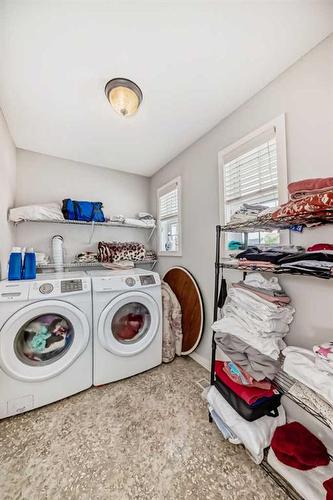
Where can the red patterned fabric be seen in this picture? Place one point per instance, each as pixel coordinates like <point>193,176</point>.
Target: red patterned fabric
<point>249,394</point>
<point>307,187</point>
<point>328,485</point>
<point>318,205</point>
<point>294,445</point>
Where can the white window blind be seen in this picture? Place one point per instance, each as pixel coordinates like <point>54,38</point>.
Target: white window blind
<point>169,204</point>
<point>169,218</point>
<point>252,175</point>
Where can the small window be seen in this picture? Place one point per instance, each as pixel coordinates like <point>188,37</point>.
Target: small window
<point>169,218</point>
<point>253,172</point>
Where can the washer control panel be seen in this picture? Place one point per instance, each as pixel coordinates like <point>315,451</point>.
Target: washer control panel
<point>52,287</point>
<point>130,281</point>
<point>71,286</point>
<point>46,288</point>
<point>147,279</point>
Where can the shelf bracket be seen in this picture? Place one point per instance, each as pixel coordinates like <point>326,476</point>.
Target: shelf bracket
<point>92,231</point>
<point>151,234</point>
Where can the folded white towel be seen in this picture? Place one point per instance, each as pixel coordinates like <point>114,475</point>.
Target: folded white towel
<point>309,484</point>
<point>301,364</point>
<point>271,346</point>
<point>44,211</point>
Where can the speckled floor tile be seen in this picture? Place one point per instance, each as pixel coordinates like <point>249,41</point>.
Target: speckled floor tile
<point>145,438</point>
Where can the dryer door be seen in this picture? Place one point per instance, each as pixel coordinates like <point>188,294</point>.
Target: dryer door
<point>129,323</point>
<point>42,339</point>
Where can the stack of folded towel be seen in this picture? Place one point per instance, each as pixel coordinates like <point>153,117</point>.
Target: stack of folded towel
<point>255,436</point>
<point>247,212</point>
<point>314,368</point>
<point>257,311</point>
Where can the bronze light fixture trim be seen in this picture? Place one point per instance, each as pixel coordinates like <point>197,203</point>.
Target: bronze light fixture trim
<point>124,96</point>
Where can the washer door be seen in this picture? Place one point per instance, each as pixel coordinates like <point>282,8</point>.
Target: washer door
<point>42,339</point>
<point>129,323</point>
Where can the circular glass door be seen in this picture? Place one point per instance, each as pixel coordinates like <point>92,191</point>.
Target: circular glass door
<point>129,323</point>
<point>42,339</point>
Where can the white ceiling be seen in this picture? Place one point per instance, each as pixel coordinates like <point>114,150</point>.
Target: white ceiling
<point>195,61</point>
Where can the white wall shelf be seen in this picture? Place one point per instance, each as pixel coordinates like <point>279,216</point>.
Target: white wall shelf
<point>92,225</point>
<point>91,265</point>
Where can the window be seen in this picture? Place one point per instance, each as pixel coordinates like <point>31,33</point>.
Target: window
<point>253,171</point>
<point>169,220</point>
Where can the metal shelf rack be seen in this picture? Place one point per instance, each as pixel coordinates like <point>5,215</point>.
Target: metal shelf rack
<point>282,381</point>
<point>91,265</point>
<point>92,225</point>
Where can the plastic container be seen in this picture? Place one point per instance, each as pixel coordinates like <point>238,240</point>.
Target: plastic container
<point>29,267</point>
<point>15,264</point>
<point>58,252</point>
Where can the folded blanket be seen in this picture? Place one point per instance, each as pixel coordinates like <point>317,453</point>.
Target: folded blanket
<point>294,445</point>
<point>250,359</point>
<point>44,211</point>
<point>305,187</point>
<point>249,394</point>
<point>270,346</point>
<point>114,251</point>
<point>301,364</point>
<point>140,222</point>
<point>240,376</point>
<point>255,436</point>
<point>314,205</point>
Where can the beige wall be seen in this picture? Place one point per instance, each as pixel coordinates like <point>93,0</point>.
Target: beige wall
<point>7,192</point>
<point>42,178</point>
<point>305,94</point>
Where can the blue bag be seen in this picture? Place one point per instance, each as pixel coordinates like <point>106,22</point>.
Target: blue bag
<point>83,210</point>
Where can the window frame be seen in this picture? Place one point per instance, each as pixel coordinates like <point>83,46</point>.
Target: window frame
<point>164,189</point>
<point>279,124</point>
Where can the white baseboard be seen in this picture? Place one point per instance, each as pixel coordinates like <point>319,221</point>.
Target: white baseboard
<point>201,360</point>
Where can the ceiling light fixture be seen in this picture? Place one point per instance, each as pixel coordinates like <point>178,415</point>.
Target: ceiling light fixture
<point>124,96</point>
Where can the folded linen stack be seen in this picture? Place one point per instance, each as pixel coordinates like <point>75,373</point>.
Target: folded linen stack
<point>311,202</point>
<point>247,212</point>
<point>311,369</point>
<point>255,436</point>
<point>316,261</point>
<point>302,459</point>
<point>258,315</point>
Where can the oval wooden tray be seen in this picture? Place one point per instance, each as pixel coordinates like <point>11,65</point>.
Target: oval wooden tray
<point>188,294</point>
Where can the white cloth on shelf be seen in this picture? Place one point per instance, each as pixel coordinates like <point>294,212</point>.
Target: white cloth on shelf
<point>309,484</point>
<point>303,393</point>
<point>120,219</point>
<point>223,428</point>
<point>264,309</point>
<point>145,216</point>
<point>44,211</point>
<point>271,346</point>
<point>253,322</point>
<point>300,363</point>
<point>255,436</point>
<point>259,281</point>
<point>324,365</point>
<point>150,223</point>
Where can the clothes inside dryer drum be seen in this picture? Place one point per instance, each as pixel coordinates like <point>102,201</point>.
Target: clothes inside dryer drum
<point>131,322</point>
<point>44,339</point>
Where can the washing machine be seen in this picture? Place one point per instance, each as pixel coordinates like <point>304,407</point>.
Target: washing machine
<point>45,340</point>
<point>127,323</point>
